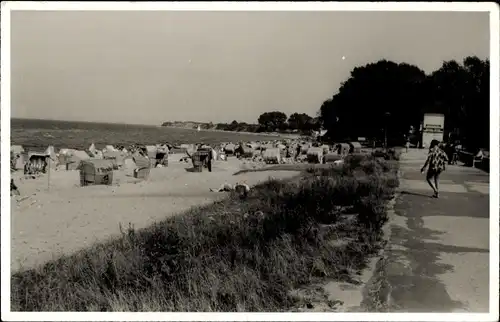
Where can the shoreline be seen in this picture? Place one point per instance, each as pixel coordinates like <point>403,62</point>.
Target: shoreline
<point>39,139</point>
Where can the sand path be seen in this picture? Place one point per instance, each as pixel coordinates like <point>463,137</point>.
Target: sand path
<point>67,218</point>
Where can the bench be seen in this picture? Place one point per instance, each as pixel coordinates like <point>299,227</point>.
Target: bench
<point>471,160</point>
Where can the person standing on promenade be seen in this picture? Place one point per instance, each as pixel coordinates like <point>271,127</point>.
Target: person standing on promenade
<point>436,161</point>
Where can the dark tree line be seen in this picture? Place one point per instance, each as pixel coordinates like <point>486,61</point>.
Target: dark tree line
<point>275,121</point>
<point>387,94</point>
<point>236,126</point>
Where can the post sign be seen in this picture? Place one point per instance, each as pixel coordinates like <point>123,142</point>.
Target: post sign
<point>433,128</point>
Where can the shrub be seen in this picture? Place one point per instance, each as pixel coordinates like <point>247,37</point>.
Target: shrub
<point>366,182</point>
<point>390,154</point>
<point>394,153</point>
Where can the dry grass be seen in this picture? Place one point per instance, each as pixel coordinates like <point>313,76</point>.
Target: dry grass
<point>233,255</point>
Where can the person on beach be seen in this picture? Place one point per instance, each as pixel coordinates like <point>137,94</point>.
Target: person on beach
<point>224,187</point>
<point>297,151</point>
<point>14,191</point>
<point>456,152</point>
<point>436,161</point>
<point>242,189</point>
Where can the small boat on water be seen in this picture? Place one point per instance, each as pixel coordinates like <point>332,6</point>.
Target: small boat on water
<point>199,128</point>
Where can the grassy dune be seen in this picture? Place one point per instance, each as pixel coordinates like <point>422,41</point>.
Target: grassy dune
<point>233,255</point>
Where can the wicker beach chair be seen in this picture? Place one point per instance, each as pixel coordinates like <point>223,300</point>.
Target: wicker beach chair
<point>143,167</point>
<point>96,172</point>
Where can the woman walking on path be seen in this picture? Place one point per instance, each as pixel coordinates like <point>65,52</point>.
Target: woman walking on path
<point>436,161</point>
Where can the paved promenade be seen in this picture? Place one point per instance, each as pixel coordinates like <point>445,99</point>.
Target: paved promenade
<point>439,248</point>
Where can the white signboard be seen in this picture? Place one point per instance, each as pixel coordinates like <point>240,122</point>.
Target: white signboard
<point>433,123</point>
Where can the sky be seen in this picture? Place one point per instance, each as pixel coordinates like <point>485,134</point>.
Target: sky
<point>154,66</point>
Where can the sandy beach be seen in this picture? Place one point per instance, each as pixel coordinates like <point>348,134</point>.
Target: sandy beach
<point>49,222</point>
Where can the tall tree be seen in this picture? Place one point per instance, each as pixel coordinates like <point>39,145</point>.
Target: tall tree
<point>375,96</point>
<point>300,121</point>
<point>272,121</point>
<point>233,126</point>
<point>462,92</point>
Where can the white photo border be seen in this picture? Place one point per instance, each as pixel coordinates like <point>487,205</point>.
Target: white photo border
<point>491,7</point>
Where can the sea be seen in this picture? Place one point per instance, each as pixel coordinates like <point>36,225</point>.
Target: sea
<point>37,135</point>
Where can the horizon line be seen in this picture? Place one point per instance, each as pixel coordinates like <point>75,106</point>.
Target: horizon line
<point>117,123</point>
